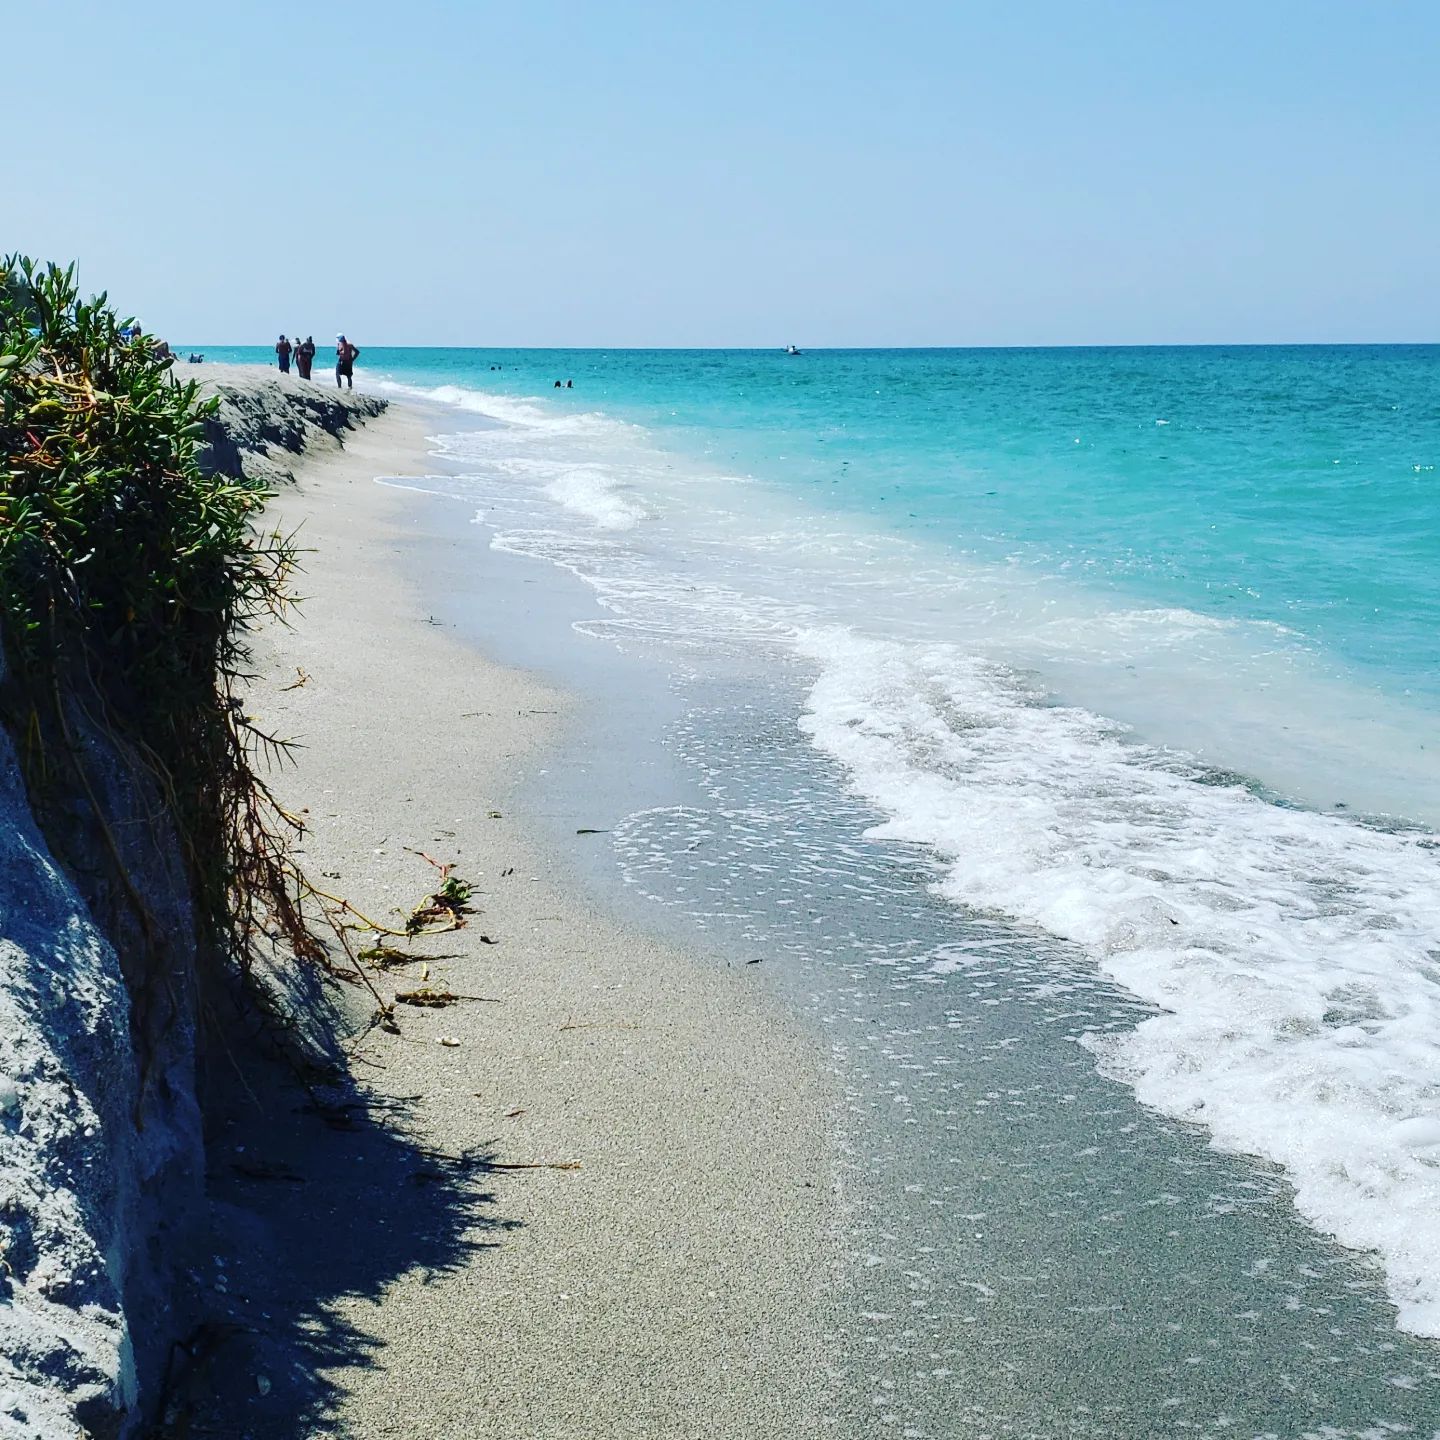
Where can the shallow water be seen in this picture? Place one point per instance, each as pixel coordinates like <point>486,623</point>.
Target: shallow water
<point>1034,1253</point>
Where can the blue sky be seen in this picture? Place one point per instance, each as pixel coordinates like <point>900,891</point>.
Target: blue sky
<point>457,172</point>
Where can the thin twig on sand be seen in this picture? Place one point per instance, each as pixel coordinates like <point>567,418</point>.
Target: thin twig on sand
<point>532,1165</point>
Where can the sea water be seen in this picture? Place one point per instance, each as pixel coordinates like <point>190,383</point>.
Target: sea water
<point>1064,718</point>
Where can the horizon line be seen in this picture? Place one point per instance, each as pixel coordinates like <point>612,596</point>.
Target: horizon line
<point>858,349</point>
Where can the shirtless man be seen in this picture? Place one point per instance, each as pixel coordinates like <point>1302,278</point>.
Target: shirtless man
<point>346,355</point>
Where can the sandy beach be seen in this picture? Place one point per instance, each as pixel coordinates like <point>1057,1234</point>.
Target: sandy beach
<point>677,1280</point>
<point>727,1122</point>
<point>841,840</point>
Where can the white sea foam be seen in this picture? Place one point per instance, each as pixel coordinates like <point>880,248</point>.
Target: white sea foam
<point>519,417</point>
<point>599,495</point>
<point>575,458</point>
<point>1297,956</point>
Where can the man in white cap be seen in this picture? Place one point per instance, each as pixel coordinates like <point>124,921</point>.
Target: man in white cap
<point>346,355</point>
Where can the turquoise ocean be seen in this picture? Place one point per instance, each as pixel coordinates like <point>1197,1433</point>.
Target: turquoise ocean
<point>1103,684</point>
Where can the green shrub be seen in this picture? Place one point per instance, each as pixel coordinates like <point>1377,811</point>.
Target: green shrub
<point>129,580</point>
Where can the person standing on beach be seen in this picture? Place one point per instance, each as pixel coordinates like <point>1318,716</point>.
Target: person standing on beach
<point>305,356</point>
<point>346,355</point>
<point>282,349</point>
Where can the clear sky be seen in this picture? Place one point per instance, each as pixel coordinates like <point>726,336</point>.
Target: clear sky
<point>735,173</point>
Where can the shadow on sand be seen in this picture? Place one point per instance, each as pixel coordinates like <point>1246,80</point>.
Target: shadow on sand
<point>322,1197</point>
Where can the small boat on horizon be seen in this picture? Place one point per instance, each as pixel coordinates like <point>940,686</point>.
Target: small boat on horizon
<point>791,350</point>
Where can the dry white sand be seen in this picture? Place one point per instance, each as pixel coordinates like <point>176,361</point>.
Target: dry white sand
<point>677,1283</point>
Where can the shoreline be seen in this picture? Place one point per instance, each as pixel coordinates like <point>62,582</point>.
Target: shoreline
<point>984,1060</point>
<point>921,998</point>
<point>675,1283</point>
